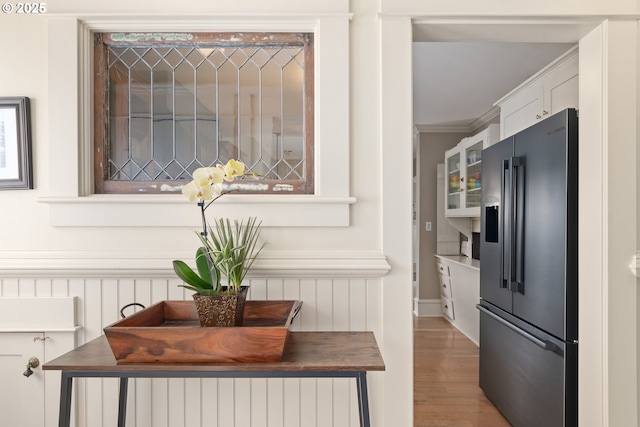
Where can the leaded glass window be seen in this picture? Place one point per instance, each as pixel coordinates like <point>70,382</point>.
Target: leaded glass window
<point>168,103</point>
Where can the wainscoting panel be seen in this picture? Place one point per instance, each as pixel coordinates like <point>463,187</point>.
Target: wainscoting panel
<point>350,304</point>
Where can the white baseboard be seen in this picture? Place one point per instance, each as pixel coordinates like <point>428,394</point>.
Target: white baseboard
<point>427,307</point>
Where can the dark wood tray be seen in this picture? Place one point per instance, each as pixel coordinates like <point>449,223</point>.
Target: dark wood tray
<point>169,332</point>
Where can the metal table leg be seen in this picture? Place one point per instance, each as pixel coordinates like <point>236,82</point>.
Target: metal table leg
<point>122,402</point>
<point>363,399</point>
<point>66,384</point>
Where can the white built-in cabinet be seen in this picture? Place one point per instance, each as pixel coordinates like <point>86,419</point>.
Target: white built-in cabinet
<point>446,297</point>
<point>552,89</point>
<point>33,331</point>
<point>460,292</point>
<point>463,175</point>
<point>22,402</point>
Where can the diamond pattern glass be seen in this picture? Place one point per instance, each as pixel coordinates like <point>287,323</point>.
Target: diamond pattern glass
<point>173,109</point>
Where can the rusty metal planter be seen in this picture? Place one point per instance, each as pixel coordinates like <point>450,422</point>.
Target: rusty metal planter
<point>221,310</point>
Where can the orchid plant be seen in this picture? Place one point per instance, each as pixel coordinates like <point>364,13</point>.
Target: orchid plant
<point>225,249</point>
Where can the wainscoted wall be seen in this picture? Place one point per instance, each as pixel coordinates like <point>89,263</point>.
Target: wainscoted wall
<point>344,302</point>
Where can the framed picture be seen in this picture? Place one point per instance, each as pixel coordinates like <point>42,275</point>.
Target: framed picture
<point>15,144</point>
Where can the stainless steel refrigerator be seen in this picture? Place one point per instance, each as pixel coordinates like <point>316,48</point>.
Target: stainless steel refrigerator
<point>529,275</point>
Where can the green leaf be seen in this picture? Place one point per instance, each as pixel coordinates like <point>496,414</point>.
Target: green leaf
<point>189,276</point>
<point>234,247</point>
<point>191,288</point>
<point>203,265</point>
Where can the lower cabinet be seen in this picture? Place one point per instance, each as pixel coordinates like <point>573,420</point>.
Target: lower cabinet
<point>446,298</point>
<point>33,330</point>
<point>460,292</point>
<point>23,397</point>
<point>447,307</point>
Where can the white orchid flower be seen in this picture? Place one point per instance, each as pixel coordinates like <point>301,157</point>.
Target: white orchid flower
<point>232,169</point>
<point>195,192</point>
<point>207,181</point>
<point>210,175</point>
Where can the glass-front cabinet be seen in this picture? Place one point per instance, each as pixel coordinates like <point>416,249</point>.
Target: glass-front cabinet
<point>463,164</point>
<point>453,193</point>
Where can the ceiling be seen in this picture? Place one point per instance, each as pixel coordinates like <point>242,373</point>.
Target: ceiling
<point>462,66</point>
<point>456,83</point>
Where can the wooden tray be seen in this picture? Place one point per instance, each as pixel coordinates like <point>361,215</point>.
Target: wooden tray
<point>169,332</point>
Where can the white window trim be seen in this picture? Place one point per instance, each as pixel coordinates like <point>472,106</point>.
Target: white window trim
<point>71,135</point>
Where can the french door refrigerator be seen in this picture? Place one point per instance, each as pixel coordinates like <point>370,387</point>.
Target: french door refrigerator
<point>529,275</point>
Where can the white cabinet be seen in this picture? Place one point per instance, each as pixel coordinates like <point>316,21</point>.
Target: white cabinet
<point>552,89</point>
<point>33,328</point>
<point>446,297</point>
<point>463,177</point>
<point>460,292</point>
<point>22,402</point>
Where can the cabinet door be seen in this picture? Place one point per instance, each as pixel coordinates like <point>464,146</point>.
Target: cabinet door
<point>471,182</point>
<point>453,174</point>
<point>561,88</point>
<point>463,173</point>
<point>547,94</point>
<point>521,111</point>
<point>21,397</point>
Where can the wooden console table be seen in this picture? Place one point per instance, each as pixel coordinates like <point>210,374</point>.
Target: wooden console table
<point>306,355</point>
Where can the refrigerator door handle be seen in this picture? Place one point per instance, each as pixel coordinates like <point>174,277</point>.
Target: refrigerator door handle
<point>503,277</point>
<point>516,283</point>
<point>546,345</point>
<point>512,226</point>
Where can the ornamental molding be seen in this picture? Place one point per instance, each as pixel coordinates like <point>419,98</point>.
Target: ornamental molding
<point>142,264</point>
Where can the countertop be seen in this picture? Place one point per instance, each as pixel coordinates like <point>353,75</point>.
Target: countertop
<point>462,260</point>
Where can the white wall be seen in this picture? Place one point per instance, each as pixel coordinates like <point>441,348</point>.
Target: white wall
<point>225,402</point>
<point>329,267</point>
<point>22,219</point>
<point>430,153</point>
<point>620,137</point>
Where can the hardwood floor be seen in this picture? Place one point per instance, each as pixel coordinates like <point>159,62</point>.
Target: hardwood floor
<point>446,392</point>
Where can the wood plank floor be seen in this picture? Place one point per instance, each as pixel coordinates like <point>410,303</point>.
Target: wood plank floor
<point>446,392</point>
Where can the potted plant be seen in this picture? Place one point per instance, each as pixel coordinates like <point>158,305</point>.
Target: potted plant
<point>225,249</point>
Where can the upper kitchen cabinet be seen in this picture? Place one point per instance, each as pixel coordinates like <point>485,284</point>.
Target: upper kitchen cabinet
<point>463,185</point>
<point>552,89</point>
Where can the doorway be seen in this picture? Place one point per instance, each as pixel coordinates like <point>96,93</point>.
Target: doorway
<point>455,86</point>
<point>608,52</point>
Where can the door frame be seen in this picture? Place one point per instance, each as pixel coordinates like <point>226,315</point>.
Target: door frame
<point>608,298</point>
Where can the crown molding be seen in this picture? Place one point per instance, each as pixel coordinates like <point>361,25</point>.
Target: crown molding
<point>486,118</point>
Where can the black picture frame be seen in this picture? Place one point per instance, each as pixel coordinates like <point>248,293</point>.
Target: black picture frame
<point>15,144</point>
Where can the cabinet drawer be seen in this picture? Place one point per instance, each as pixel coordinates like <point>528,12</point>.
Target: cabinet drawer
<point>445,286</point>
<point>443,269</point>
<point>447,307</point>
